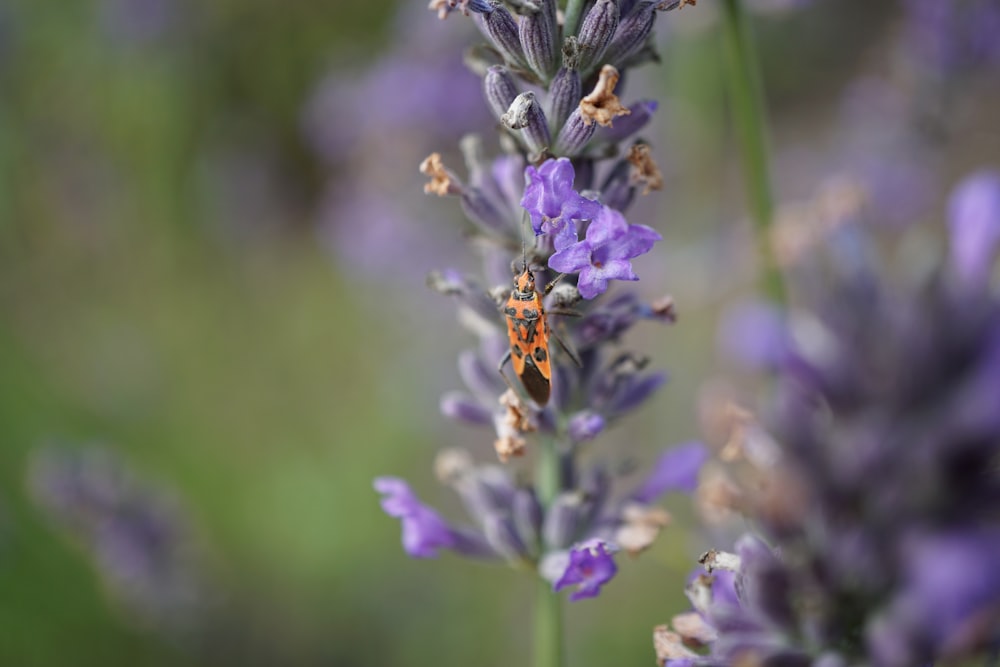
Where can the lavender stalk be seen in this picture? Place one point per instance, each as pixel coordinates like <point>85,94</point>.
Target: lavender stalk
<point>552,203</point>
<point>747,98</point>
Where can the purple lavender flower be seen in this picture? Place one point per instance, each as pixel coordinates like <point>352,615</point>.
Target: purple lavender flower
<point>676,470</point>
<point>952,37</point>
<point>136,534</point>
<point>605,252</point>
<point>512,520</point>
<point>974,221</point>
<point>590,566</point>
<point>552,203</point>
<point>424,531</point>
<point>877,501</point>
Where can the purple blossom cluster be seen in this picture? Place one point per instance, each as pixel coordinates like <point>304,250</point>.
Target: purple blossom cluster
<point>894,122</point>
<point>570,541</point>
<point>553,199</point>
<point>952,38</point>
<point>877,535</point>
<point>139,540</point>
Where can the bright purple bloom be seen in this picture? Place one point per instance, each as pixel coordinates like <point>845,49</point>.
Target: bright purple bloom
<point>590,567</point>
<point>424,531</point>
<point>974,222</point>
<point>676,470</point>
<point>605,252</point>
<point>553,204</point>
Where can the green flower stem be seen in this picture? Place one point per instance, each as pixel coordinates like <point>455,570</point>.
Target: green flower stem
<point>548,605</point>
<point>571,22</point>
<point>548,627</point>
<point>747,99</point>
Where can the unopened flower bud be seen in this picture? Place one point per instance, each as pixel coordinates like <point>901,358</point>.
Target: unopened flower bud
<point>501,28</point>
<point>564,96</point>
<point>575,135</point>
<point>538,40</point>
<point>625,127</point>
<point>525,114</point>
<point>462,408</point>
<point>585,425</point>
<point>528,515</point>
<point>633,31</point>
<point>596,33</point>
<point>502,536</point>
<point>499,89</point>
<point>562,521</point>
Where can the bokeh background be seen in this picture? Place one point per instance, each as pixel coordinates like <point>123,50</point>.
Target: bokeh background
<point>213,246</point>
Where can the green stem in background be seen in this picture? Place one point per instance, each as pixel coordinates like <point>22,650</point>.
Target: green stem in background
<point>571,22</point>
<point>747,99</point>
<point>548,605</point>
<point>548,627</point>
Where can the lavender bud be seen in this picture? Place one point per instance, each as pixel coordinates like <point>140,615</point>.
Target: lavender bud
<point>636,392</point>
<point>633,31</point>
<point>477,376</point>
<point>478,207</point>
<point>595,483</point>
<point>598,29</point>
<point>626,126</point>
<point>501,28</point>
<point>562,521</point>
<point>458,406</point>
<point>618,190</point>
<point>575,135</point>
<point>500,89</point>
<point>526,114</point>
<point>564,96</point>
<point>585,425</point>
<point>538,39</point>
<point>528,516</point>
<point>502,536</point>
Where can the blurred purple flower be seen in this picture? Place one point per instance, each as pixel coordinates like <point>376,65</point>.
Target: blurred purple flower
<point>974,222</point>
<point>952,37</point>
<point>585,425</point>
<point>676,470</point>
<point>605,252</point>
<point>590,566</point>
<point>877,504</point>
<point>755,334</point>
<point>424,531</point>
<point>138,538</point>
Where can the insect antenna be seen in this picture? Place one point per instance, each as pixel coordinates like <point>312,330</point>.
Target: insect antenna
<point>525,220</point>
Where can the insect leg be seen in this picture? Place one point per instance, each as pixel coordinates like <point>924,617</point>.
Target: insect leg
<point>503,362</point>
<point>552,283</point>
<point>566,312</point>
<point>567,348</point>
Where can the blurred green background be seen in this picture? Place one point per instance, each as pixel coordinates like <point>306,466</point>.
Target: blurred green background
<point>164,293</point>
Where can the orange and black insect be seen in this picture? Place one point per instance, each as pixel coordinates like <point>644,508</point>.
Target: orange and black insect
<point>529,333</point>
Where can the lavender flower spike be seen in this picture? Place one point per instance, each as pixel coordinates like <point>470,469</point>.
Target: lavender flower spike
<point>424,531</point>
<point>974,222</point>
<point>605,253</point>
<point>553,204</point>
<point>591,565</point>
